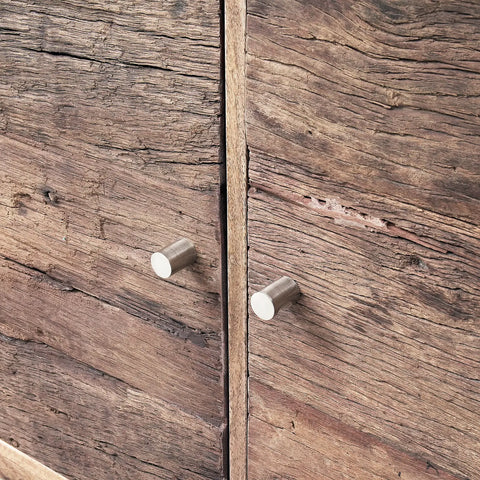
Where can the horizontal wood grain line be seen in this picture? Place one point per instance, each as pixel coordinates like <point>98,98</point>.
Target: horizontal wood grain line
<point>348,216</point>
<point>34,343</point>
<point>60,53</point>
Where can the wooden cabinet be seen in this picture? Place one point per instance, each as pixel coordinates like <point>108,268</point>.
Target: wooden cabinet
<point>351,136</point>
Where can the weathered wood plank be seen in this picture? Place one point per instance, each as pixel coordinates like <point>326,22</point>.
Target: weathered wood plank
<point>236,149</point>
<point>198,20</point>
<point>94,224</point>
<point>110,121</point>
<point>15,465</point>
<point>71,103</point>
<point>36,307</point>
<point>362,125</point>
<point>150,34</point>
<point>385,337</point>
<point>380,111</point>
<point>128,136</point>
<point>98,77</point>
<point>311,445</point>
<point>86,424</point>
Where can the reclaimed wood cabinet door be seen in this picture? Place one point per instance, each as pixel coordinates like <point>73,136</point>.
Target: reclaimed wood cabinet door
<point>110,141</point>
<point>364,138</point>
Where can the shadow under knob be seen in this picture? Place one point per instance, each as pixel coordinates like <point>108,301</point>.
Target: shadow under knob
<point>173,258</point>
<point>271,299</point>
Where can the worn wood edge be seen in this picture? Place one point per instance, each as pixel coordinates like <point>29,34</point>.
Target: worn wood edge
<point>236,161</point>
<point>15,464</point>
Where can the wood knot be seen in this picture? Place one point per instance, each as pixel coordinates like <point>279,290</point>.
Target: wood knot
<point>393,98</point>
<point>13,442</point>
<point>49,196</point>
<point>414,262</point>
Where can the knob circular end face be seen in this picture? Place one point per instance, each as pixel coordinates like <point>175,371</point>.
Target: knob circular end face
<point>262,305</point>
<point>161,265</point>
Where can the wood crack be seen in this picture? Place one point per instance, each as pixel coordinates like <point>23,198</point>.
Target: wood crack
<point>174,327</point>
<point>122,63</point>
<point>31,341</point>
<point>158,150</point>
<point>127,26</point>
<point>349,217</point>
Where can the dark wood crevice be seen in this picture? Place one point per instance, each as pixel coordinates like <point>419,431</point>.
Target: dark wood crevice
<point>348,216</point>
<point>170,325</point>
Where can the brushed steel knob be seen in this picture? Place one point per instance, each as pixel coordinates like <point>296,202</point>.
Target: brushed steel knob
<point>173,258</point>
<point>271,299</point>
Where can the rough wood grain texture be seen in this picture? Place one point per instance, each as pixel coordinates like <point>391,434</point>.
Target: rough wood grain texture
<point>110,132</point>
<point>320,447</point>
<point>385,337</point>
<point>235,17</point>
<point>15,465</point>
<point>131,149</point>
<point>93,224</point>
<point>113,341</point>
<point>86,424</point>
<point>364,138</point>
<point>175,36</point>
<point>98,77</point>
<point>377,109</point>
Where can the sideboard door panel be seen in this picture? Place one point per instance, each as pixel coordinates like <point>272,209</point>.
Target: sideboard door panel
<point>110,121</point>
<point>364,142</point>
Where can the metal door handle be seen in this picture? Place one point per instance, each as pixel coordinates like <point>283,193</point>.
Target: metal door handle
<point>271,299</point>
<point>173,258</point>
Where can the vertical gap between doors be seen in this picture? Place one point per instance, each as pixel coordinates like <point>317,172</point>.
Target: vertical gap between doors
<point>224,245</point>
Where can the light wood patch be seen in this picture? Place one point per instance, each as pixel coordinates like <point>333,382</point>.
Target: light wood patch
<point>15,465</point>
<point>235,17</point>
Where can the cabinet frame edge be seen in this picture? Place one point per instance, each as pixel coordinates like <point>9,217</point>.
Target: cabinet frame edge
<point>237,184</point>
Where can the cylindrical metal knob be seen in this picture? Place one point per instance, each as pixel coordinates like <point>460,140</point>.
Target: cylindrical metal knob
<point>173,258</point>
<point>271,299</point>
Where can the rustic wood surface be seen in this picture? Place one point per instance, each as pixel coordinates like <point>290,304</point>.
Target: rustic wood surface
<point>94,224</point>
<point>320,447</point>
<point>99,77</point>
<point>364,139</point>
<point>177,36</point>
<point>377,341</point>
<point>15,464</point>
<point>236,150</point>
<point>112,341</point>
<point>110,132</point>
<point>132,150</point>
<point>85,424</point>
